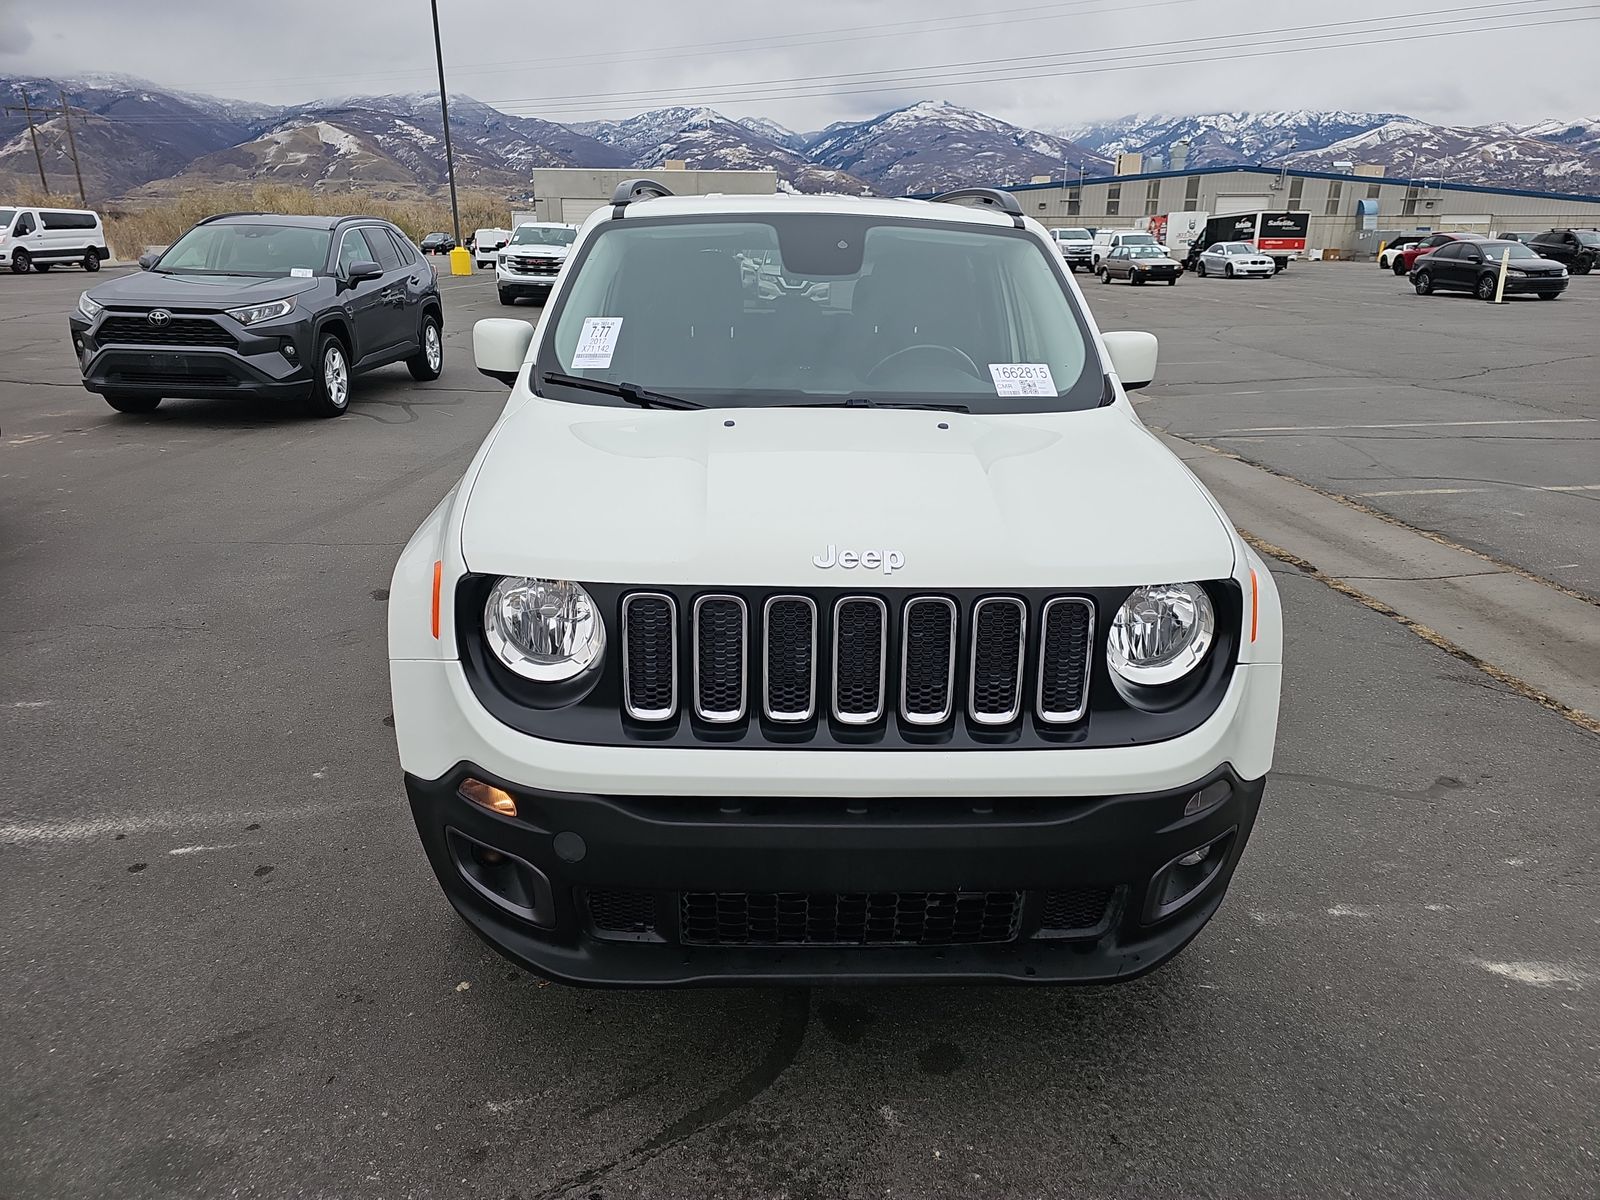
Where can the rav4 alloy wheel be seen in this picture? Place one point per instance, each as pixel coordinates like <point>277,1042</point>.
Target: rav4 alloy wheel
<point>428,362</point>
<point>330,388</point>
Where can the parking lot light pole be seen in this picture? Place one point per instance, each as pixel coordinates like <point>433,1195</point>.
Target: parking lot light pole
<point>457,267</point>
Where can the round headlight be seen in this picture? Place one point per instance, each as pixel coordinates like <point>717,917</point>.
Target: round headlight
<point>547,630</point>
<point>1161,633</point>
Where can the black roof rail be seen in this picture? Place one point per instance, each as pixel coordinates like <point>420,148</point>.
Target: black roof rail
<point>991,197</point>
<point>225,216</point>
<point>630,190</point>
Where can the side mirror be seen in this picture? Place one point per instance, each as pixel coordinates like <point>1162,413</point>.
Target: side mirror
<point>147,261</point>
<point>1133,357</point>
<point>362,269</point>
<point>500,346</point>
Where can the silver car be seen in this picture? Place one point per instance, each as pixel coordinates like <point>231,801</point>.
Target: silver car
<point>1235,258</point>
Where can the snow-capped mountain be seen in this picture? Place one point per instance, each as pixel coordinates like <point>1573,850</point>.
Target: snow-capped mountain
<point>774,132</point>
<point>1216,139</point>
<point>707,140</point>
<point>933,144</point>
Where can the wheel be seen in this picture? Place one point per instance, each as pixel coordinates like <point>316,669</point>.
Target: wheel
<point>506,297</point>
<point>428,362</point>
<point>1399,265</point>
<point>42,267</point>
<point>132,402</point>
<point>1549,295</point>
<point>330,387</point>
<point>1486,287</point>
<point>21,262</point>
<point>91,261</point>
<point>1136,281</point>
<point>1200,269</point>
<point>1105,276</point>
<point>1583,266</point>
<point>1423,283</point>
<point>1173,282</point>
<point>1229,271</point>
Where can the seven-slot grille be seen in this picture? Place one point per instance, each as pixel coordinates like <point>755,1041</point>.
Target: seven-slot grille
<point>179,331</point>
<point>836,660</point>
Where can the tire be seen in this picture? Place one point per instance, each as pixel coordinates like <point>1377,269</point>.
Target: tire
<point>1486,284</point>
<point>1583,266</point>
<point>132,402</point>
<point>1399,265</point>
<point>42,267</point>
<point>1229,271</point>
<point>330,381</point>
<point>1135,281</point>
<point>91,261</point>
<point>21,262</point>
<point>507,298</point>
<point>1105,276</point>
<point>1200,269</point>
<point>427,363</point>
<point>1549,295</point>
<point>1423,283</point>
<point>1173,282</point>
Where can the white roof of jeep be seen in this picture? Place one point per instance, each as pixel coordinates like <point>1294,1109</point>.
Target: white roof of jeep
<point>733,205</point>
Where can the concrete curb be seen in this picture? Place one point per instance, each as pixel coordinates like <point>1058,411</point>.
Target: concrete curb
<point>1531,634</point>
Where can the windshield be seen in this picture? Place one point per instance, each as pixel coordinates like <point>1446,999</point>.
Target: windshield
<point>1138,239</point>
<point>1144,251</point>
<point>820,308</point>
<point>1074,235</point>
<point>1586,238</point>
<point>247,250</point>
<point>543,235</point>
<point>1496,250</point>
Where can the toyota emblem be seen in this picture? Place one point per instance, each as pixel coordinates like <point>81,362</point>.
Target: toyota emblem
<point>159,317</point>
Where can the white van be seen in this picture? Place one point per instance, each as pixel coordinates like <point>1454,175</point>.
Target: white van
<point>1107,240</point>
<point>36,239</point>
<point>487,244</point>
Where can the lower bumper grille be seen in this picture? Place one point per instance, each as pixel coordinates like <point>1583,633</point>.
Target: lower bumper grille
<point>847,918</point>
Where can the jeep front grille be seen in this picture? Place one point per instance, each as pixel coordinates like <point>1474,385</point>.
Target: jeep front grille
<point>991,659</point>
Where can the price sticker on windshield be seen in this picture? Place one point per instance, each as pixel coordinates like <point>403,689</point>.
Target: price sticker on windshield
<point>301,272</point>
<point>597,342</point>
<point>1022,379</point>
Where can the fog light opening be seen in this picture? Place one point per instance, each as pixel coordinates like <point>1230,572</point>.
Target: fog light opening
<point>1183,880</point>
<point>504,880</point>
<point>486,795</point>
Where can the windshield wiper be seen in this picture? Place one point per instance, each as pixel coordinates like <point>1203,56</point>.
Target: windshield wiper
<point>868,402</point>
<point>631,392</point>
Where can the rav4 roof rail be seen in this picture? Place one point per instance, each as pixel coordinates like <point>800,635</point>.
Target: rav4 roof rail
<point>630,190</point>
<point>225,216</point>
<point>992,197</point>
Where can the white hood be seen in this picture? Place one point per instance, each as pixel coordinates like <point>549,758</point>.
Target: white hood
<point>612,495</point>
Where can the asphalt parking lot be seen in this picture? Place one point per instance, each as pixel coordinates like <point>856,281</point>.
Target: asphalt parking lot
<point>226,969</point>
<point>1475,421</point>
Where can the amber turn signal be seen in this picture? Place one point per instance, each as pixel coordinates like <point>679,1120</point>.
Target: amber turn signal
<point>488,796</point>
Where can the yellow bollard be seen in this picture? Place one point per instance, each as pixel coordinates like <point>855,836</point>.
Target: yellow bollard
<point>460,261</point>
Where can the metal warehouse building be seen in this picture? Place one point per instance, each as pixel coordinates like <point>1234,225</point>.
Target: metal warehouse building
<point>1350,213</point>
<point>569,194</point>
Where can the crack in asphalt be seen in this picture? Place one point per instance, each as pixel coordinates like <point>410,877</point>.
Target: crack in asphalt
<point>792,1023</point>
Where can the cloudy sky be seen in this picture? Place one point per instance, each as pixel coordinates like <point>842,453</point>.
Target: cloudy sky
<point>805,65</point>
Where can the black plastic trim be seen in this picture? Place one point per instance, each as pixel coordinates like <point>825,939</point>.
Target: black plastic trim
<point>992,197</point>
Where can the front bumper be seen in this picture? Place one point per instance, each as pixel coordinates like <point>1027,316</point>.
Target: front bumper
<point>546,887</point>
<point>1533,285</point>
<point>258,366</point>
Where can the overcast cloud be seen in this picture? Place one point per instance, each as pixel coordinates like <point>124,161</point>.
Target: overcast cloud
<point>1043,65</point>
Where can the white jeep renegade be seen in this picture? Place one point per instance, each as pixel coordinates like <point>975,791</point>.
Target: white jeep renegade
<point>828,633</point>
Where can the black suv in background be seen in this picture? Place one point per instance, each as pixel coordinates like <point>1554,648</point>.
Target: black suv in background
<point>262,304</point>
<point>1579,249</point>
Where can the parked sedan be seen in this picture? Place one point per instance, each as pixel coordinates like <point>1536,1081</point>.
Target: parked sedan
<point>1474,266</point>
<point>438,243</point>
<point>1234,259</point>
<point>1139,264</point>
<point>1408,257</point>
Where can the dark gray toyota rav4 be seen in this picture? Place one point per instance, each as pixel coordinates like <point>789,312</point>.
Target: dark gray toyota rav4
<point>262,304</point>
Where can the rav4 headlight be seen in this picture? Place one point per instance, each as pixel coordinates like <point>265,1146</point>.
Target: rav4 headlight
<point>1161,633</point>
<point>88,307</point>
<point>546,630</point>
<point>254,314</point>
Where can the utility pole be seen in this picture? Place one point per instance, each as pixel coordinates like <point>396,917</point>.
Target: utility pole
<point>444,109</point>
<point>72,142</point>
<point>33,133</point>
